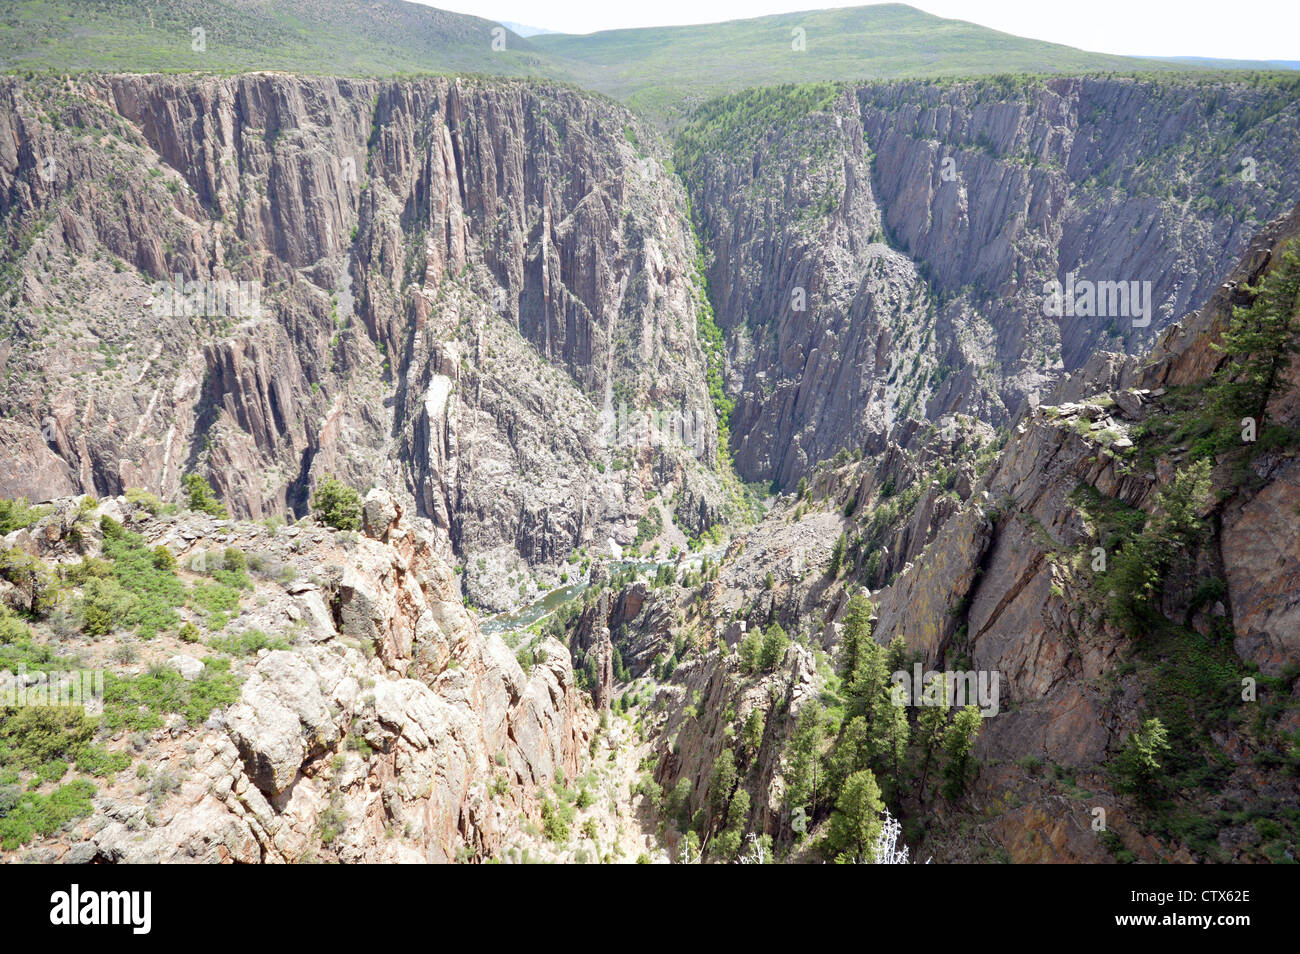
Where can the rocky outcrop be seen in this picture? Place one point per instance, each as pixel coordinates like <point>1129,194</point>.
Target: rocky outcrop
<point>400,733</point>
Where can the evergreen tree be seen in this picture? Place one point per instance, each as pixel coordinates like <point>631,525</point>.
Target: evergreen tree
<point>804,778</point>
<point>958,742</point>
<point>931,726</point>
<point>856,823</point>
<point>856,633</point>
<point>728,842</point>
<point>721,782</point>
<point>336,504</point>
<point>837,556</point>
<point>850,754</point>
<point>751,736</point>
<point>869,687</point>
<point>889,737</point>
<point>1259,342</point>
<point>199,496</point>
<point>751,651</point>
<point>775,643</point>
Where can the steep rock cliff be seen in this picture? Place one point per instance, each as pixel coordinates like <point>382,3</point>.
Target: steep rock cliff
<point>471,292</point>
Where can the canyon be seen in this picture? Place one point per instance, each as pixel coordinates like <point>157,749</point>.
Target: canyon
<point>478,301</point>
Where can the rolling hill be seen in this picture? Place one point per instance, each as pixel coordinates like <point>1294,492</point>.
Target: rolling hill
<point>662,71</point>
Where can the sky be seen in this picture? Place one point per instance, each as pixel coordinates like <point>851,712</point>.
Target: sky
<point>1239,29</point>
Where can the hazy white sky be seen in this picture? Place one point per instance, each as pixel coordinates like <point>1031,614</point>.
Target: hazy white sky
<point>1233,29</point>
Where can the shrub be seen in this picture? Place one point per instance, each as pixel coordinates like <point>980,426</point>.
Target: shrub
<point>19,515</point>
<point>37,587</point>
<point>336,504</point>
<point>104,603</point>
<point>247,643</point>
<point>147,577</point>
<point>144,500</point>
<point>33,735</point>
<point>199,496</point>
<point>1138,763</point>
<point>139,702</point>
<point>31,813</point>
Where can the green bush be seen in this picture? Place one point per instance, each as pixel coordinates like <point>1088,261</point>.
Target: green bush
<point>39,588</point>
<point>336,504</point>
<point>139,702</point>
<point>216,601</point>
<point>22,816</point>
<point>33,735</point>
<point>143,591</point>
<point>144,500</point>
<point>98,761</point>
<point>247,643</point>
<point>1137,766</point>
<point>103,606</point>
<point>199,496</point>
<point>17,645</point>
<point>19,515</point>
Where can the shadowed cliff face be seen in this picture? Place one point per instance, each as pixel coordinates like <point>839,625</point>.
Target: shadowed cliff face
<point>458,288</point>
<point>917,225</point>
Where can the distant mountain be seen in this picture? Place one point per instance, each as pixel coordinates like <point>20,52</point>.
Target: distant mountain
<point>658,69</point>
<point>1215,63</point>
<point>523,29</point>
<point>662,70</point>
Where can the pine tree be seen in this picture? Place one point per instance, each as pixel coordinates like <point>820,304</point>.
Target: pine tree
<point>775,643</point>
<point>804,778</point>
<point>199,496</point>
<point>889,738</point>
<point>856,633</point>
<point>850,754</point>
<point>931,726</point>
<point>751,736</point>
<point>837,556</point>
<point>1259,342</point>
<point>751,650</point>
<point>728,843</point>
<point>856,824</point>
<point>958,742</point>
<point>721,782</point>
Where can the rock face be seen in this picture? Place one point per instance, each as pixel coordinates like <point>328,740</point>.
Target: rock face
<point>466,292</point>
<point>1006,569</point>
<point>882,253</point>
<point>982,556</point>
<point>391,736</point>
